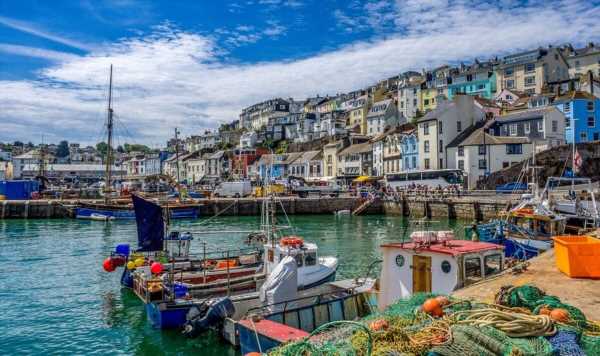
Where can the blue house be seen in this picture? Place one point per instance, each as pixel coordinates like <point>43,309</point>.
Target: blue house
<point>275,166</point>
<point>582,116</point>
<point>410,152</point>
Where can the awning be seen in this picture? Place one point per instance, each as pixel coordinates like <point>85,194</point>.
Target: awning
<point>363,179</point>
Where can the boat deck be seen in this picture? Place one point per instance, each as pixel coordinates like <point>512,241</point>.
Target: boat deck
<point>542,272</point>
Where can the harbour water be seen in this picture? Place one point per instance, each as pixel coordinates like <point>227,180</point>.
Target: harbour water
<point>56,299</point>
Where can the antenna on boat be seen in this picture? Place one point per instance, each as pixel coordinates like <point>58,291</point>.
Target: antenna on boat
<point>109,127</point>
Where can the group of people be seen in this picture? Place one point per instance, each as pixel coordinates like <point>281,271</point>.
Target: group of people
<point>424,190</point>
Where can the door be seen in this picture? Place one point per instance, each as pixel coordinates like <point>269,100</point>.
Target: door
<point>421,274</point>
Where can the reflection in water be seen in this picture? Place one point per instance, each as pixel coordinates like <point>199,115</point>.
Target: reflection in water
<point>85,310</point>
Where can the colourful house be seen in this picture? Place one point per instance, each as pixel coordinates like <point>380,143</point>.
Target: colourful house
<point>582,116</point>
<point>410,152</point>
<point>478,79</point>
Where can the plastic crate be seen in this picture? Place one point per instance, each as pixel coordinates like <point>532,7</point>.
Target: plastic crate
<point>578,256</point>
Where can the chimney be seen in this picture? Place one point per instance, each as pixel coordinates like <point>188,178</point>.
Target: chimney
<point>591,80</point>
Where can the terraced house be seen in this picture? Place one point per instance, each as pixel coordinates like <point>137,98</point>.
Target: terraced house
<point>357,110</point>
<point>531,71</point>
<point>584,60</point>
<point>477,79</point>
<point>409,94</point>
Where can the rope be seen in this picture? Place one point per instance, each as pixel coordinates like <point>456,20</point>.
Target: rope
<point>513,324</point>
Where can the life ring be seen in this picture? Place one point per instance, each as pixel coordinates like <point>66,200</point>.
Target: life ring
<point>292,241</point>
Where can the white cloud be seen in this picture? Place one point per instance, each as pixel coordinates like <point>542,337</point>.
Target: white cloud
<point>36,31</point>
<point>35,52</point>
<point>175,78</point>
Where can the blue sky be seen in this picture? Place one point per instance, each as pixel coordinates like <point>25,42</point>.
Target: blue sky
<point>196,64</point>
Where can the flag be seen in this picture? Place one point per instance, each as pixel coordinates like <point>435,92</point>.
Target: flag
<point>577,162</point>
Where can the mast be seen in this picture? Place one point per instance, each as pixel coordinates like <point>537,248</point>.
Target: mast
<point>109,127</point>
<point>177,153</point>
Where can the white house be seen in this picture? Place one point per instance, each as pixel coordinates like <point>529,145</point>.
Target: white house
<point>438,128</point>
<point>248,139</point>
<point>356,160</point>
<point>382,114</point>
<point>28,158</point>
<point>481,154</point>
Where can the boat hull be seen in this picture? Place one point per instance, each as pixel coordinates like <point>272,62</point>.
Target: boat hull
<point>129,214</point>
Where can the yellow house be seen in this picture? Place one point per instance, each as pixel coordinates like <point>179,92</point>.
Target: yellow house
<point>530,71</point>
<point>357,110</point>
<point>583,60</point>
<point>428,99</point>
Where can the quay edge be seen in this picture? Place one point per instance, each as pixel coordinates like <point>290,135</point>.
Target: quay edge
<point>471,207</point>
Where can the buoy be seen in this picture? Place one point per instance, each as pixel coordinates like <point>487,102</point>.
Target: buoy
<point>139,262</point>
<point>156,268</point>
<point>560,315</point>
<point>130,265</point>
<point>430,305</point>
<point>108,265</point>
<point>443,300</point>
<point>254,353</point>
<point>379,325</point>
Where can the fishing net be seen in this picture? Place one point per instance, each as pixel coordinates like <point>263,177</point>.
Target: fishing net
<point>533,298</point>
<point>409,331</point>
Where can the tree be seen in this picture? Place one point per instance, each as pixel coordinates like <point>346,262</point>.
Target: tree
<point>63,149</point>
<point>102,148</point>
<point>120,149</point>
<point>136,148</point>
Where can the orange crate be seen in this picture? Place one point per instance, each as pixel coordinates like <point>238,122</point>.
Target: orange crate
<point>578,256</point>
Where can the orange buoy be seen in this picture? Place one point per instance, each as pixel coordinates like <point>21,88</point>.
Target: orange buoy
<point>108,265</point>
<point>560,315</point>
<point>430,305</point>
<point>443,300</point>
<point>544,310</point>
<point>379,325</point>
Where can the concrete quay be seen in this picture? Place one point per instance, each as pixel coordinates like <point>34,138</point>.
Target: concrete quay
<point>466,207</point>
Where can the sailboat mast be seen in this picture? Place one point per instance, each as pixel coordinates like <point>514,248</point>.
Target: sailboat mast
<point>109,127</point>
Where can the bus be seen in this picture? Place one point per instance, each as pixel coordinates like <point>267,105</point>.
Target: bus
<point>432,178</point>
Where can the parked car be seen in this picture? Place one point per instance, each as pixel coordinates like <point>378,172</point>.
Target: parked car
<point>233,189</point>
<point>333,190</point>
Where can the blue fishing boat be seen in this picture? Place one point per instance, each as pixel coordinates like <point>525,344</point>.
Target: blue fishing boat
<point>104,212</point>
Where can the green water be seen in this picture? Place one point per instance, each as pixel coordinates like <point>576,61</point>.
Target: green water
<point>56,299</point>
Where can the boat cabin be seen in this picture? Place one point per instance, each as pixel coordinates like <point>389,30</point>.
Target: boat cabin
<point>305,254</point>
<point>435,262</point>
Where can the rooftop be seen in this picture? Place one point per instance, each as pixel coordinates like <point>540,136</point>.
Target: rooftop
<point>357,148</point>
<point>479,137</point>
<point>525,114</point>
<point>574,95</point>
<point>452,247</point>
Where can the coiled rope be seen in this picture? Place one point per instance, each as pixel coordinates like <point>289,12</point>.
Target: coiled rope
<point>513,324</point>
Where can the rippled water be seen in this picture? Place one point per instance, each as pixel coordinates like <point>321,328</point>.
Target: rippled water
<point>55,298</point>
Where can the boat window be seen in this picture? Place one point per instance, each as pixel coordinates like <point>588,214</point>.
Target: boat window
<point>472,270</point>
<point>310,259</point>
<point>446,267</point>
<point>493,264</point>
<point>298,259</point>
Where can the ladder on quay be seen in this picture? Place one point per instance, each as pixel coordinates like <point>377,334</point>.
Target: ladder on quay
<point>364,205</point>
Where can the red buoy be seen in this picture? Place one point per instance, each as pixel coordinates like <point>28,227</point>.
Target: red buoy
<point>108,265</point>
<point>156,268</point>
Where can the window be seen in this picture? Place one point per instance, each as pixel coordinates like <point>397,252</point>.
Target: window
<point>590,106</point>
<point>426,146</point>
<point>596,136</point>
<point>440,127</point>
<point>414,162</point>
<point>577,64</point>
<point>472,270</point>
<point>441,163</point>
<point>505,164</point>
<point>482,164</point>
<point>461,151</point>
<point>481,149</point>
<point>441,146</point>
<point>527,128</point>
<point>402,104</point>
<point>529,81</point>
<point>567,107</point>
<point>508,97</point>
<point>508,72</point>
<point>480,87</point>
<point>461,164</point>
<point>426,163</point>
<point>459,126</point>
<point>426,102</point>
<point>514,149</point>
<point>512,128</point>
<point>529,67</point>
<point>540,126</point>
<point>530,91</point>
<point>583,136</point>
<point>310,259</point>
<point>414,90</point>
<point>510,84</point>
<point>426,128</point>
<point>299,261</point>
<point>492,264</point>
<point>414,102</point>
<point>554,126</point>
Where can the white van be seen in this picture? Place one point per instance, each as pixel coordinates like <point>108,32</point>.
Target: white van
<point>233,189</point>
